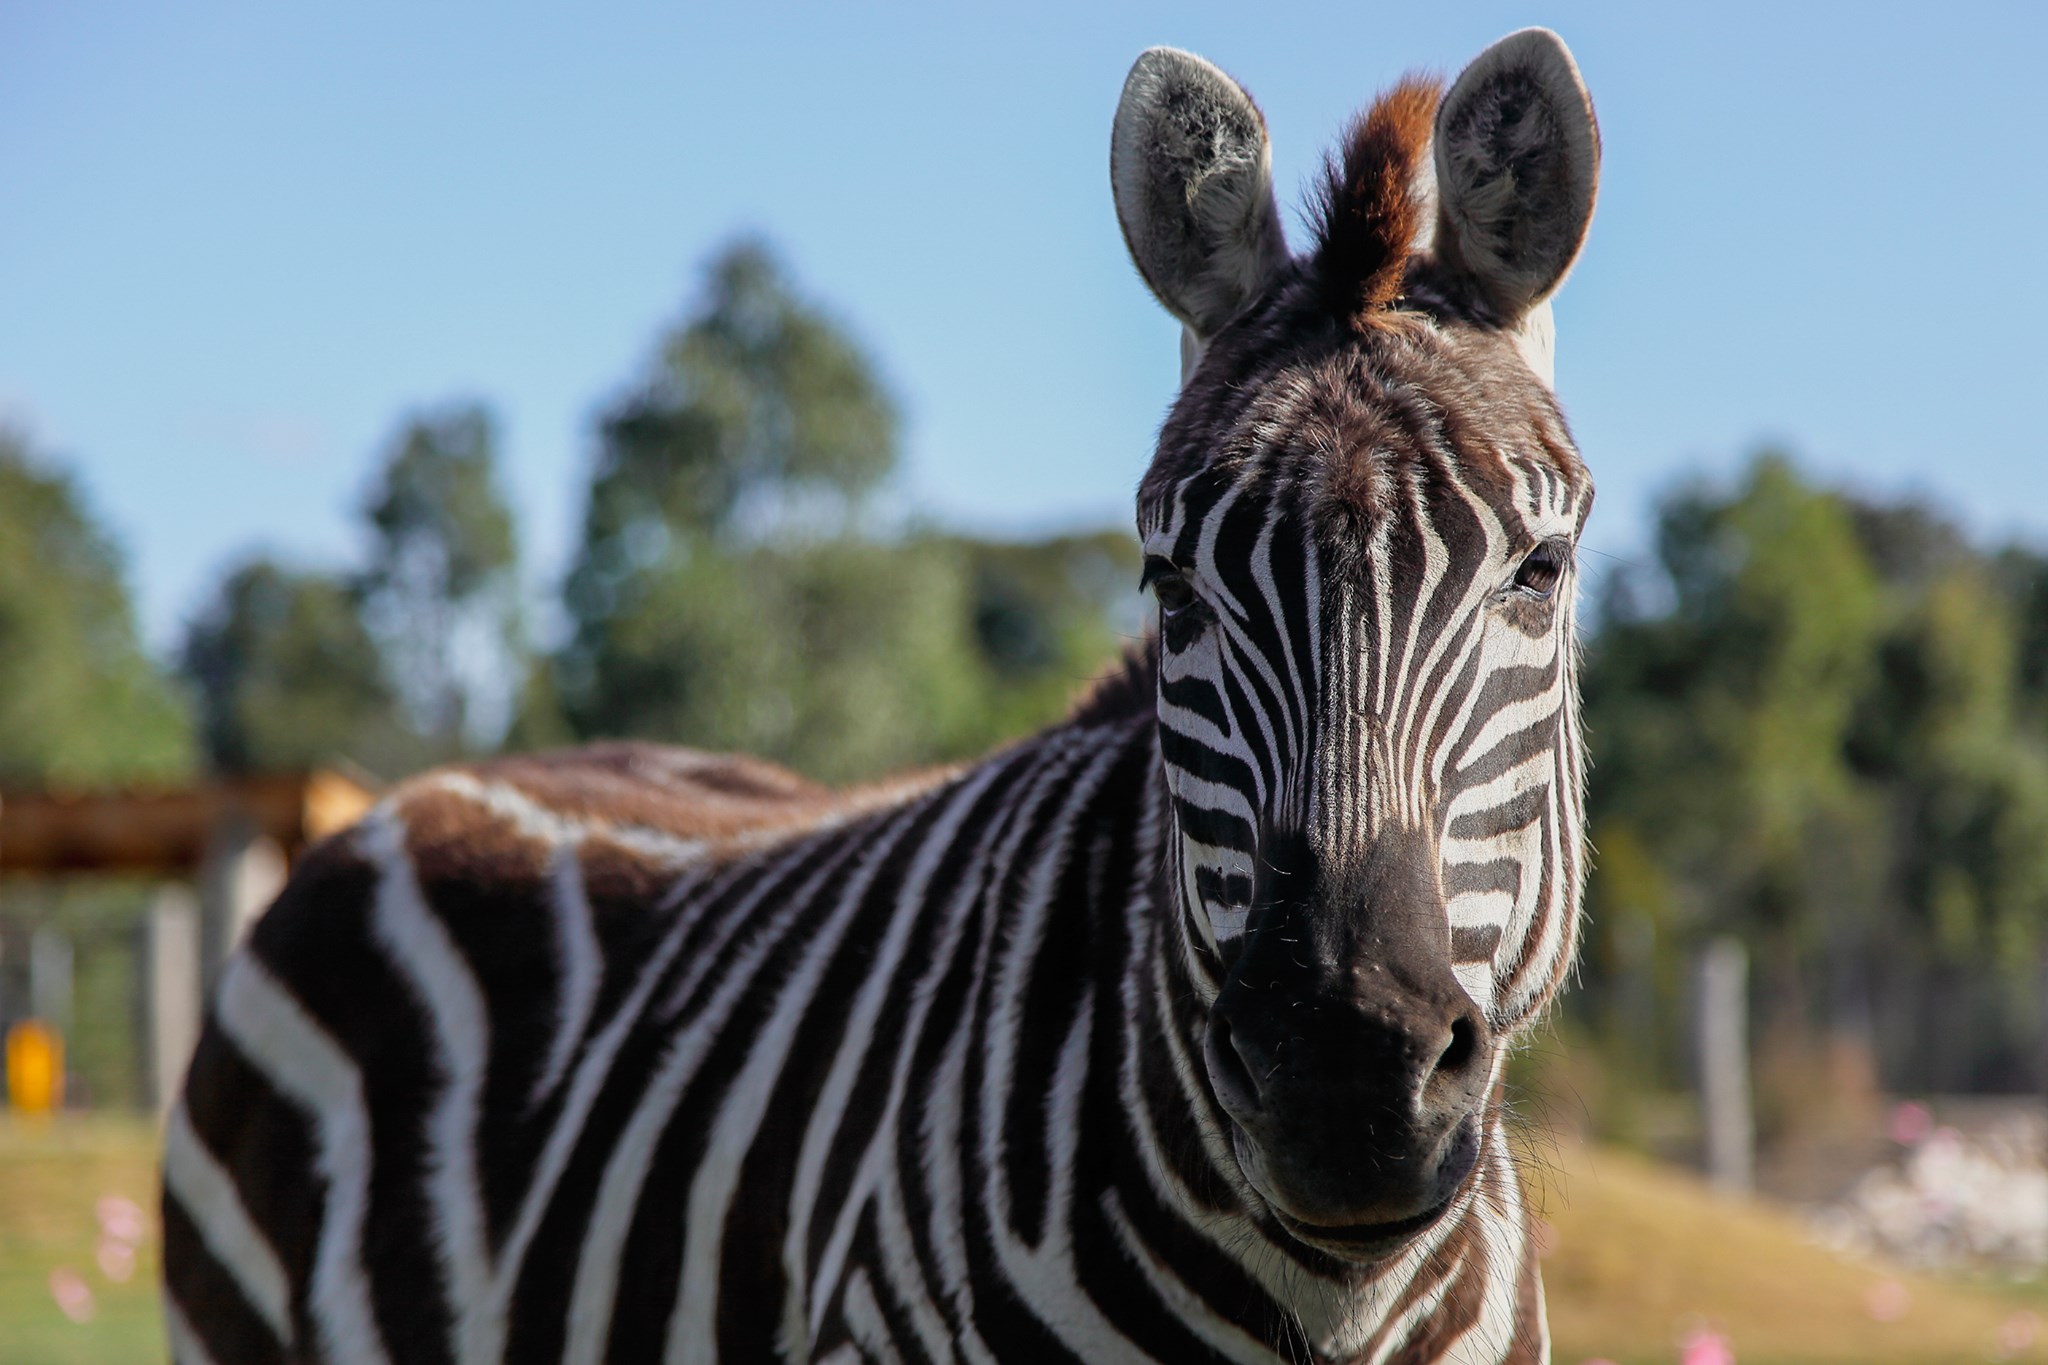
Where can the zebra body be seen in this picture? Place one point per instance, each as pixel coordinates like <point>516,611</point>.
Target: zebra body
<point>911,1081</point>
<point>1174,1033</point>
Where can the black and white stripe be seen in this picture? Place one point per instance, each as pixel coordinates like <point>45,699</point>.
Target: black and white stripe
<point>1348,703</point>
<point>917,1087</point>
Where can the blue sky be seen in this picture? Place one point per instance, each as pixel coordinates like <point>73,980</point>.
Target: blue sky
<point>242,240</point>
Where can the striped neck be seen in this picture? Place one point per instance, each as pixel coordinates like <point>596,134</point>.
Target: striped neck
<point>1171,1190</point>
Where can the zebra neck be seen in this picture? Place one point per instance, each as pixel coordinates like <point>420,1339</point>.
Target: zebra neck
<point>1167,1185</point>
<point>1059,1127</point>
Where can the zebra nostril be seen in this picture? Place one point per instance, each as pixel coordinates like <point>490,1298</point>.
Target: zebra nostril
<point>1460,1067</point>
<point>1228,1070</point>
<point>1464,1045</point>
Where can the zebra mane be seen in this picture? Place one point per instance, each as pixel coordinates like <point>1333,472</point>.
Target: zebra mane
<point>1370,207</point>
<point>1129,690</point>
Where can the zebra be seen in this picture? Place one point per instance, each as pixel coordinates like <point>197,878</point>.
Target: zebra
<point>1173,1033</point>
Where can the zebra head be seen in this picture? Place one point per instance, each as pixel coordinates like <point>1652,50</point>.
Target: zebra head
<point>1360,526</point>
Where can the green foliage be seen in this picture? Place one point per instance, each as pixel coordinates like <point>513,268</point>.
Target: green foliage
<point>832,656</point>
<point>80,702</point>
<point>759,416</point>
<point>1047,618</point>
<point>850,657</point>
<point>288,676</point>
<point>442,590</point>
<point>796,406</point>
<point>729,593</point>
<point>414,660</point>
<point>1826,738</point>
<point>1752,677</point>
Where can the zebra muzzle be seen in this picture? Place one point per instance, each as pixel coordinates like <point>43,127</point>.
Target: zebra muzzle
<point>1353,1068</point>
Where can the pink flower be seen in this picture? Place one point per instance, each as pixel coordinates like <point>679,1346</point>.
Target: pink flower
<point>1887,1301</point>
<point>121,1218</point>
<point>73,1294</point>
<point>2017,1333</point>
<point>1911,1123</point>
<point>1706,1347</point>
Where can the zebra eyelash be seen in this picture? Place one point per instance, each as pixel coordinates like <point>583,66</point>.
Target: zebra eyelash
<point>1542,569</point>
<point>1170,587</point>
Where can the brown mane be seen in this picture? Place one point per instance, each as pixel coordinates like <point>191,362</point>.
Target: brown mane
<point>715,799</point>
<point>1368,208</point>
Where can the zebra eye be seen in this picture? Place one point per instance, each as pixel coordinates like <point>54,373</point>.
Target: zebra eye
<point>1540,571</point>
<point>1169,586</point>
<point>1173,594</point>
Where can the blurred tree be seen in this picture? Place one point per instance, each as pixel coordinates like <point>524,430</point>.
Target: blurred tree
<point>538,720</point>
<point>759,416</point>
<point>730,592</point>
<point>1827,736</point>
<point>1047,617</point>
<point>746,451</point>
<point>839,657</point>
<point>288,676</point>
<point>1728,715</point>
<point>1961,761</point>
<point>441,594</point>
<point>80,702</point>
<point>2022,574</point>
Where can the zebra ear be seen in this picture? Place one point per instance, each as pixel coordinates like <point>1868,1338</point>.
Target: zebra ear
<point>1192,171</point>
<point>1517,170</point>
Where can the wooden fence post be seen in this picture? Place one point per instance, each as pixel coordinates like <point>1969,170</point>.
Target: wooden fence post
<point>242,873</point>
<point>170,991</point>
<point>1724,1066</point>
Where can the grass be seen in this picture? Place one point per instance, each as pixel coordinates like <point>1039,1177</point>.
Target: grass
<point>1641,1253</point>
<point>52,1175</point>
<point>1637,1252</point>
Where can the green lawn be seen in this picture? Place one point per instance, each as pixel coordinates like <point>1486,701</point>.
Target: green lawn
<point>1637,1252</point>
<point>1641,1253</point>
<point>52,1176</point>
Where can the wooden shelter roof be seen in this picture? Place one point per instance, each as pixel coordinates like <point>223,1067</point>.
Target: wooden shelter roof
<point>164,831</point>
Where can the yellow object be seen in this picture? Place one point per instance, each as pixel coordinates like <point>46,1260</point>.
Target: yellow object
<point>35,1067</point>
